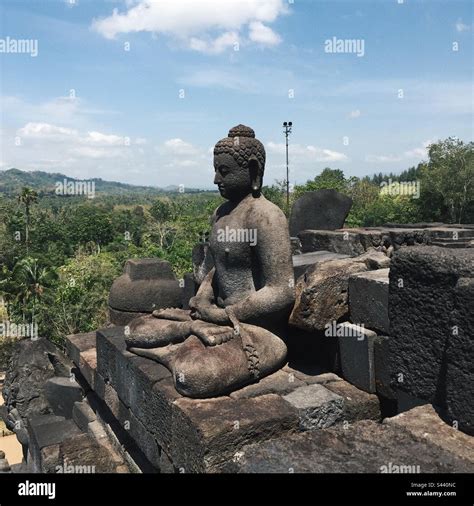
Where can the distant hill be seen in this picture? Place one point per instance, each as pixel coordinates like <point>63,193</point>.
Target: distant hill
<point>13,180</point>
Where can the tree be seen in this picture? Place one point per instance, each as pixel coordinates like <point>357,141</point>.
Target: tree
<point>27,197</point>
<point>448,179</point>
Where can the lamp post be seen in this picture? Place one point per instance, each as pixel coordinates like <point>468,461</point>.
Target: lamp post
<point>287,130</point>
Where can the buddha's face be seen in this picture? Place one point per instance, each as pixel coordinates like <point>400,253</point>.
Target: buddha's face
<point>233,181</point>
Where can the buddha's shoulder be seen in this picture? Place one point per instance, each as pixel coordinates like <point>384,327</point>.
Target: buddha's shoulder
<point>261,207</point>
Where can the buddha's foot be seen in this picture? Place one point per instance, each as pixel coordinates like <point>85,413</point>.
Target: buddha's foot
<point>150,332</point>
<point>202,371</point>
<point>211,334</point>
<point>173,313</point>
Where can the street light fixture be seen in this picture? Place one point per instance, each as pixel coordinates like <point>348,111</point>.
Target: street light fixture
<point>287,125</point>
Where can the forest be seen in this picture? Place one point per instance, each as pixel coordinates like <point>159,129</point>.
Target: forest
<point>59,254</point>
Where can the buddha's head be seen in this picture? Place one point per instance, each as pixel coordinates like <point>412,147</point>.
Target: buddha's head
<point>239,162</point>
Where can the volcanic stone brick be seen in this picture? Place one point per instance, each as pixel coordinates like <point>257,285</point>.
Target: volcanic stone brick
<point>358,405</point>
<point>303,261</point>
<point>48,430</point>
<point>208,433</point>
<point>82,452</point>
<point>279,382</point>
<point>77,343</point>
<point>311,375</point>
<point>324,209</point>
<point>50,458</point>
<point>317,406</point>
<point>423,422</point>
<point>368,299</point>
<point>460,358</point>
<point>321,294</point>
<point>356,347</point>
<point>336,241</point>
<point>363,447</point>
<point>82,414</point>
<point>112,358</point>
<point>382,367</point>
<point>61,394</point>
<point>432,324</point>
<point>88,366</point>
<point>140,434</point>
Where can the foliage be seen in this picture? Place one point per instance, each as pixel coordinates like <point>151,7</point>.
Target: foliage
<point>59,254</point>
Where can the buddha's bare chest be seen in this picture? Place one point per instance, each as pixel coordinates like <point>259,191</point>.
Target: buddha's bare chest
<point>231,242</point>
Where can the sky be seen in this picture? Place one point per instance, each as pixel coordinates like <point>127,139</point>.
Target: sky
<point>139,91</point>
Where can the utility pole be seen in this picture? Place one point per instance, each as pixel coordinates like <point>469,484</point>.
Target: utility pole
<point>287,130</point>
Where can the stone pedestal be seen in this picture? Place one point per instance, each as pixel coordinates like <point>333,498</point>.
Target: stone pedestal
<point>179,434</point>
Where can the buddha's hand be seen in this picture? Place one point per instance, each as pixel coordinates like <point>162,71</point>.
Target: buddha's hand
<point>171,313</point>
<point>205,310</point>
<point>210,334</point>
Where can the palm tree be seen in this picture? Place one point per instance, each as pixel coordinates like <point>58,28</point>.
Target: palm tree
<point>26,283</point>
<point>27,197</point>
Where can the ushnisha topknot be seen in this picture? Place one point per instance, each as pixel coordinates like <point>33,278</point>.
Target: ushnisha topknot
<point>241,144</point>
<point>241,131</point>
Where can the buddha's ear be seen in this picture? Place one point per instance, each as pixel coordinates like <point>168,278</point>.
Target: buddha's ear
<point>255,173</point>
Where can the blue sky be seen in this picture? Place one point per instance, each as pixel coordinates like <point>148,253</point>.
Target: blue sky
<point>142,95</point>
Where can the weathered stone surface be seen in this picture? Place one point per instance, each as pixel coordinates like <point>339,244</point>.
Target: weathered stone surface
<point>432,324</point>
<point>82,414</point>
<point>344,243</point>
<point>112,359</point>
<point>368,299</point>
<point>32,363</point>
<point>355,241</point>
<point>82,454</point>
<point>147,284</point>
<point>51,459</point>
<point>166,465</point>
<point>382,368</point>
<point>358,405</point>
<point>356,346</point>
<point>321,294</point>
<point>324,209</point>
<point>122,318</point>
<point>374,259</point>
<point>363,447</point>
<point>303,261</point>
<point>77,343</point>
<point>88,366</point>
<point>204,442</point>
<point>312,376</point>
<point>61,394</point>
<point>47,430</point>
<point>317,406</point>
<point>423,422</point>
<point>279,382</point>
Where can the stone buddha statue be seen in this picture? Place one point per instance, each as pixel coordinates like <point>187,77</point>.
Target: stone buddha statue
<point>232,334</point>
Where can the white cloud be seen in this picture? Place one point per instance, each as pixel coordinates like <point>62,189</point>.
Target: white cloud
<point>462,27</point>
<point>418,152</point>
<point>307,153</point>
<point>194,24</point>
<point>262,34</point>
<point>180,147</point>
<point>354,114</point>
<point>383,158</point>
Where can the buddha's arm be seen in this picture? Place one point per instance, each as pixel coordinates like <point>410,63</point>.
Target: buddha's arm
<point>273,252</point>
